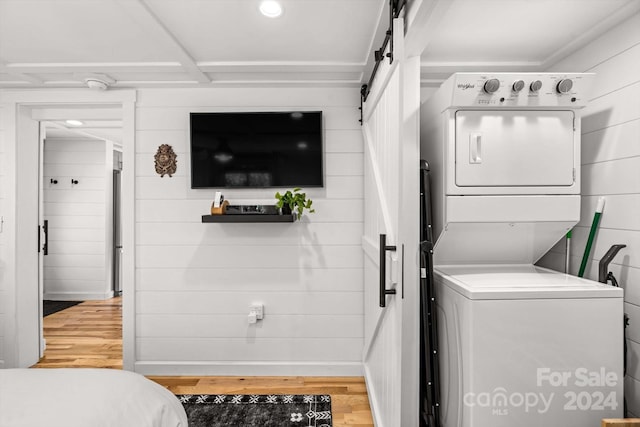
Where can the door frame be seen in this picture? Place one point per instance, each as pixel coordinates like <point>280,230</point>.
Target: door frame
<point>21,335</point>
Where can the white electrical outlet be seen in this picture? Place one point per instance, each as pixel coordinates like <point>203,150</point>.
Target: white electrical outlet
<point>252,318</point>
<point>258,310</point>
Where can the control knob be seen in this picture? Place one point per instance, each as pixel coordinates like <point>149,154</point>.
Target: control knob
<point>518,85</point>
<point>564,86</point>
<point>535,86</point>
<point>491,85</point>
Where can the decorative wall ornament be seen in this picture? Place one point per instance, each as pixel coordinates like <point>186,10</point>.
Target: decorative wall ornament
<point>166,161</point>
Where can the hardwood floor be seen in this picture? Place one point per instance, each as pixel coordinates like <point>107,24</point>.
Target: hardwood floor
<point>89,335</point>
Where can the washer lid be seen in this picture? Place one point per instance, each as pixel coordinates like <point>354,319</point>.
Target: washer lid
<point>520,282</point>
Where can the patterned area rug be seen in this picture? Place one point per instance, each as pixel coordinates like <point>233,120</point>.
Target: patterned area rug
<point>244,410</point>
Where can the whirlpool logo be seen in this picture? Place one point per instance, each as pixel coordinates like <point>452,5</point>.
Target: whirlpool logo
<point>465,86</point>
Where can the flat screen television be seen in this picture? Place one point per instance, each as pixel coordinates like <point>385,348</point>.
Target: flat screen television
<point>256,150</point>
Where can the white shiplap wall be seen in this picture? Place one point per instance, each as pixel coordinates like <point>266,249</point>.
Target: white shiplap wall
<point>611,168</point>
<point>75,268</point>
<point>195,281</point>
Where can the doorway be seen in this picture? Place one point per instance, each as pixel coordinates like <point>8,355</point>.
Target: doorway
<point>80,210</point>
<point>25,111</point>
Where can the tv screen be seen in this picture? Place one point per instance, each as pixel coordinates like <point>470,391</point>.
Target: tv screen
<point>255,150</point>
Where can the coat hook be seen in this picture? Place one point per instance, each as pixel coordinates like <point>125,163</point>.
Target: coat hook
<point>74,181</point>
<point>54,181</point>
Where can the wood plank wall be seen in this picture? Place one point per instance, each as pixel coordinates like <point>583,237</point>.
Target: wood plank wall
<point>611,168</point>
<point>195,282</point>
<point>75,268</point>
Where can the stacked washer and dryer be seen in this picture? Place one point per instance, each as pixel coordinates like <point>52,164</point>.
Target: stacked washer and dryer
<point>519,345</point>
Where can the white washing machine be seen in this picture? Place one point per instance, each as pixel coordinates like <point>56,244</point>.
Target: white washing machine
<point>519,345</point>
<point>525,346</point>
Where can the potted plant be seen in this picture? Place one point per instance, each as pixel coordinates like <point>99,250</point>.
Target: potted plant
<point>293,201</point>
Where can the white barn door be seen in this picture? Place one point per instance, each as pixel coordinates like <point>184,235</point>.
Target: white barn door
<point>391,179</point>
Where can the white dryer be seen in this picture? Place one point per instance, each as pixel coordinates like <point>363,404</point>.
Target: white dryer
<point>518,345</point>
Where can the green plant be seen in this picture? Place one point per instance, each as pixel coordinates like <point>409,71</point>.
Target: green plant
<point>295,201</point>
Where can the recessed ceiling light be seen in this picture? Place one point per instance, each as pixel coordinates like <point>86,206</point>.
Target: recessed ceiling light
<point>271,8</point>
<point>74,122</point>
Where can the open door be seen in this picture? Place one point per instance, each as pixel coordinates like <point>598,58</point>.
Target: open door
<point>391,240</point>
<point>43,236</point>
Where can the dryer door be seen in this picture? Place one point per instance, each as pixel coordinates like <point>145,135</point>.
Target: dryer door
<point>514,148</point>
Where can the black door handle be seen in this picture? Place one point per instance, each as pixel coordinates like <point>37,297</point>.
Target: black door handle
<point>45,229</point>
<point>383,270</point>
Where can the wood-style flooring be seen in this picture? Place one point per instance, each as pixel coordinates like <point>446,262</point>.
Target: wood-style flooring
<point>89,335</point>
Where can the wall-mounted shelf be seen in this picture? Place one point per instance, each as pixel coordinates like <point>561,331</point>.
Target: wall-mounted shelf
<point>248,218</point>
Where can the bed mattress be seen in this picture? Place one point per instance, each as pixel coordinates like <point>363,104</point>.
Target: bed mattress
<point>85,397</point>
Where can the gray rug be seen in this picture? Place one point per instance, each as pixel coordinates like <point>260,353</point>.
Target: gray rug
<point>50,307</point>
<point>244,410</point>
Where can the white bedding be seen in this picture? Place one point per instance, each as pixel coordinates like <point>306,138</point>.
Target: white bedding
<point>85,398</point>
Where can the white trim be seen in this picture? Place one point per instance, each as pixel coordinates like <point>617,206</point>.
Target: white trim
<point>290,66</point>
<point>108,217</point>
<point>128,224</point>
<point>409,237</point>
<point>427,67</point>
<point>25,77</point>
<point>315,369</point>
<point>10,329</point>
<point>99,114</point>
<point>67,96</point>
<point>26,212</point>
<point>77,296</point>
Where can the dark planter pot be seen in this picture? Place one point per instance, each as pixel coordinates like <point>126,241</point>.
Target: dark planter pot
<point>286,210</point>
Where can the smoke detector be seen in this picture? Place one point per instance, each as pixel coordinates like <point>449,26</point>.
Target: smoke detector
<point>96,84</point>
<point>96,81</point>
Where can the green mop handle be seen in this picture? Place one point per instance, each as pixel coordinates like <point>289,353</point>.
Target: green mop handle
<point>567,256</point>
<point>592,235</point>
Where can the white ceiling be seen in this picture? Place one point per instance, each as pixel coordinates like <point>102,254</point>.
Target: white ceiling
<point>516,35</point>
<point>182,43</point>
